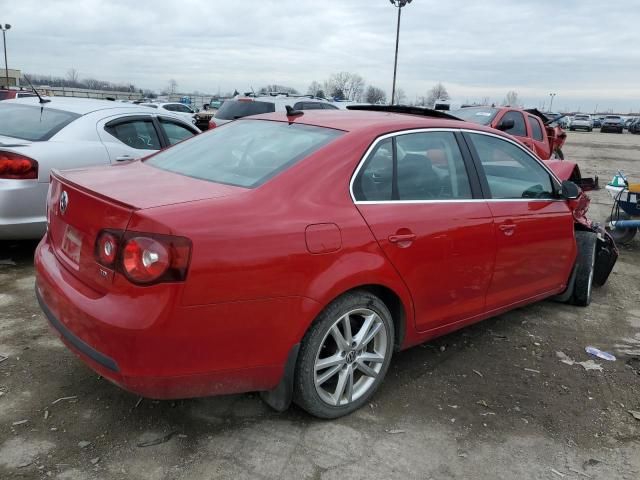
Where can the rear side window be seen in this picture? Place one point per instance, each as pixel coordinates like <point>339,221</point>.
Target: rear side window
<point>245,153</point>
<point>140,134</point>
<point>30,122</point>
<point>519,128</point>
<point>232,109</point>
<point>536,129</point>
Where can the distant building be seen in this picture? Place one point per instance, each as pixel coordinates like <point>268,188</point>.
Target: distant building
<point>14,77</point>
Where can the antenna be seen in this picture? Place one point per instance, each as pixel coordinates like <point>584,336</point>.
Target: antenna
<point>42,100</point>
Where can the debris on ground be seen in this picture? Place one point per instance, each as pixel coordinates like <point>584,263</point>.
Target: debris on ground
<point>46,414</point>
<point>83,444</point>
<point>532,370</point>
<point>62,399</point>
<point>556,472</point>
<point>20,422</point>
<point>587,365</point>
<point>600,354</point>
<point>3,357</point>
<point>95,460</point>
<point>138,403</point>
<point>635,414</point>
<point>478,373</point>
<point>158,441</point>
<point>394,432</point>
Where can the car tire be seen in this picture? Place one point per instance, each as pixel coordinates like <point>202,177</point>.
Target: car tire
<point>571,129</point>
<point>353,371</point>
<point>585,264</point>
<point>621,235</point>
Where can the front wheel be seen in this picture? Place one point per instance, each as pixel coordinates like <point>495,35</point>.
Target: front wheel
<point>344,356</point>
<point>585,266</point>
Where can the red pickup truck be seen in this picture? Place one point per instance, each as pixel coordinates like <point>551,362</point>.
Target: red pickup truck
<point>536,131</point>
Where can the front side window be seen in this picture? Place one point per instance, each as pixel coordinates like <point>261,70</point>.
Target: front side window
<point>536,129</point>
<point>510,171</point>
<point>140,134</point>
<point>245,153</point>
<point>519,128</point>
<point>175,132</point>
<point>425,166</point>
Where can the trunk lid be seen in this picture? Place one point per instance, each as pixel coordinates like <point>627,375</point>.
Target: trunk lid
<point>81,203</point>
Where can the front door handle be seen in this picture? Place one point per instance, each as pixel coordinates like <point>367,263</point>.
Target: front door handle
<point>402,238</point>
<point>124,158</point>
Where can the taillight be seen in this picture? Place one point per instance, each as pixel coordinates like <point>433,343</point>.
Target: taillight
<point>212,124</point>
<point>144,258</point>
<point>107,248</point>
<point>17,167</point>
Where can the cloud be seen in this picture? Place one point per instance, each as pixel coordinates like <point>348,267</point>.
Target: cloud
<point>582,50</point>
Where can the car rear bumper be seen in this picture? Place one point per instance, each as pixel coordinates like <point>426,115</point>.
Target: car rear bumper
<point>22,209</point>
<point>151,346</point>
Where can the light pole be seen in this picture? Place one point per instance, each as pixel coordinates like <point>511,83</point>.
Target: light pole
<point>399,4</point>
<point>4,29</point>
<point>552,95</point>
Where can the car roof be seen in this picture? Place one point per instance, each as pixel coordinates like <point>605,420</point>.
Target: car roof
<point>80,106</point>
<point>374,122</point>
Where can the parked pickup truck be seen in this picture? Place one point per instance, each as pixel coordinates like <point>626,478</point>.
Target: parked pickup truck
<point>541,134</point>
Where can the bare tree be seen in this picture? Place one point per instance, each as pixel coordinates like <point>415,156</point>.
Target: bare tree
<point>511,99</point>
<point>315,89</point>
<point>277,88</point>
<point>345,86</point>
<point>73,76</point>
<point>375,95</point>
<point>173,86</point>
<point>438,92</point>
<point>401,96</point>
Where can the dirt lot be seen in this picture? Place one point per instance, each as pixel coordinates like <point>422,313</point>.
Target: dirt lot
<point>490,401</point>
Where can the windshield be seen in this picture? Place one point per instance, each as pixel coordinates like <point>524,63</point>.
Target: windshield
<point>581,117</point>
<point>31,122</point>
<point>481,115</point>
<point>612,117</point>
<point>232,109</point>
<point>245,153</point>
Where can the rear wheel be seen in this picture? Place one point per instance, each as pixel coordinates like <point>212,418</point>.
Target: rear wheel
<point>344,356</point>
<point>585,263</point>
<point>621,235</point>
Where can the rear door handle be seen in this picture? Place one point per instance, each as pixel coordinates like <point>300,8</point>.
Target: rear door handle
<point>407,237</point>
<point>508,228</point>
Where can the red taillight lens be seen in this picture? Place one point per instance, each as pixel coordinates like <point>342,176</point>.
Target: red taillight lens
<point>212,124</point>
<point>17,167</point>
<point>144,259</point>
<point>107,248</point>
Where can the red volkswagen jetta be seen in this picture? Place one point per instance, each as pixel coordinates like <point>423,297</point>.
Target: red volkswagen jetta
<point>292,254</point>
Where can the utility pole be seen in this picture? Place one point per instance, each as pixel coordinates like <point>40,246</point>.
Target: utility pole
<point>552,95</point>
<point>4,29</point>
<point>399,4</point>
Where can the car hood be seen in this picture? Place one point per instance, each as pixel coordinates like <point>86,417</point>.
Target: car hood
<point>139,185</point>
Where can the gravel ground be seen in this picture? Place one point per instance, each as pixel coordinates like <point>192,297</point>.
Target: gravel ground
<point>491,401</point>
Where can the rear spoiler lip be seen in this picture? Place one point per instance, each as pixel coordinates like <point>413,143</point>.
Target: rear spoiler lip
<point>57,174</point>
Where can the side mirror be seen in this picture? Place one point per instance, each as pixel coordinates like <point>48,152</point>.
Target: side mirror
<point>569,190</point>
<point>505,125</point>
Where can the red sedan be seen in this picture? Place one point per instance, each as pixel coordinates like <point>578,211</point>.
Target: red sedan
<point>293,253</point>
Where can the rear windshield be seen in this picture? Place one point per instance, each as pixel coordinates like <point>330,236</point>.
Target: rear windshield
<point>245,153</point>
<point>612,117</point>
<point>481,115</point>
<point>581,117</point>
<point>232,109</point>
<point>31,122</point>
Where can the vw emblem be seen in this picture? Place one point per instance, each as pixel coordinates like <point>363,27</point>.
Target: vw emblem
<point>351,357</point>
<point>64,202</point>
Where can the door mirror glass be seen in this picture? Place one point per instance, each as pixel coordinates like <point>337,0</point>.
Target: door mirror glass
<point>569,190</point>
<point>506,124</point>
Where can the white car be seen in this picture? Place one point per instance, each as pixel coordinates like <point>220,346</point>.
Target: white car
<point>581,122</point>
<point>175,108</point>
<point>241,106</point>
<point>66,133</point>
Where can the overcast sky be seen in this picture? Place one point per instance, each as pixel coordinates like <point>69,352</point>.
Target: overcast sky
<point>585,51</point>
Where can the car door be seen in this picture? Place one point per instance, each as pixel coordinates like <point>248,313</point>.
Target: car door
<point>420,196</point>
<point>540,146</point>
<point>519,128</point>
<point>535,245</point>
<point>129,137</point>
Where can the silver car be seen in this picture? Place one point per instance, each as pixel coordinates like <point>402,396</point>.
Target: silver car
<point>69,133</point>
